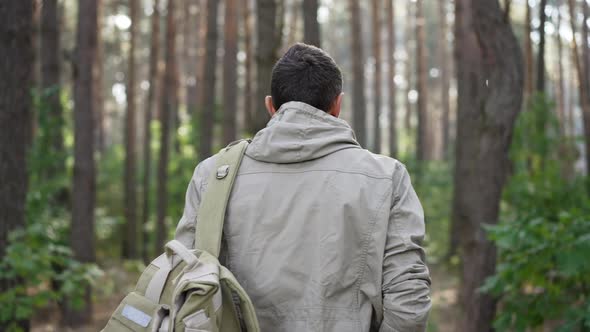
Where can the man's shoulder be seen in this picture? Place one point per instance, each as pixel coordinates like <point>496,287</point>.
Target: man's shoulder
<point>365,161</point>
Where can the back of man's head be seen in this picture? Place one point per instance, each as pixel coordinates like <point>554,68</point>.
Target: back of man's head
<point>306,74</point>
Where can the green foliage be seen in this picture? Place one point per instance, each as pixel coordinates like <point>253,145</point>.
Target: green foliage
<point>543,241</point>
<point>38,257</point>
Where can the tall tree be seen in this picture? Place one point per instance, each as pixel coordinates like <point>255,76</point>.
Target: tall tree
<point>445,77</point>
<point>269,41</point>
<point>152,101</point>
<point>311,26</point>
<point>16,51</point>
<point>50,81</point>
<point>376,39</point>
<point>423,144</point>
<point>528,50</point>
<point>410,23</point>
<point>130,238</point>
<point>391,88</point>
<point>541,57</point>
<point>193,45</point>
<point>99,111</point>
<point>169,99</point>
<point>490,89</point>
<point>207,111</point>
<point>230,75</point>
<point>561,76</point>
<point>359,120</point>
<point>248,94</point>
<point>83,190</point>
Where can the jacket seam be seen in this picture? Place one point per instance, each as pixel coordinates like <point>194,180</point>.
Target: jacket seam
<point>377,177</point>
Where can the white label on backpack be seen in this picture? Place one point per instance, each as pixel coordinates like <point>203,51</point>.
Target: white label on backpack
<point>137,316</point>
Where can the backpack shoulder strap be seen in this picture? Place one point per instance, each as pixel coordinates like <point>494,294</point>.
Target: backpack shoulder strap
<point>211,213</point>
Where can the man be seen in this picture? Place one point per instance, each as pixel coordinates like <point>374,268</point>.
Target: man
<point>322,234</point>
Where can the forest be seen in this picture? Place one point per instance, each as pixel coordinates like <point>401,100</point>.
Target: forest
<point>107,106</point>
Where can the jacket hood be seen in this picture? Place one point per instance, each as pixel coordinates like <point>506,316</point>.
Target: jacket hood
<point>300,132</point>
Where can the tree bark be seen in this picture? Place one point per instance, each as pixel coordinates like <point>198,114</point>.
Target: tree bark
<point>230,75</point>
<point>391,88</point>
<point>423,144</point>
<point>358,75</point>
<point>444,79</point>
<point>269,41</point>
<point>16,52</point>
<point>207,112</point>
<point>311,26</point>
<point>99,111</point>
<point>541,56</point>
<point>152,103</point>
<point>561,80</point>
<point>528,47</point>
<point>408,68</point>
<point>248,77</point>
<point>167,111</point>
<point>84,191</point>
<point>130,234</point>
<point>376,38</point>
<point>490,88</point>
<point>193,57</point>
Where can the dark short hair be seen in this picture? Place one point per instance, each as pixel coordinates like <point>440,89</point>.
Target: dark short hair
<point>306,74</point>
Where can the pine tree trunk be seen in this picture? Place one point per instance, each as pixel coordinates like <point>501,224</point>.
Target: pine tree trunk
<point>130,234</point>
<point>490,90</point>
<point>423,144</point>
<point>207,112</point>
<point>230,75</point>
<point>376,39</point>
<point>167,111</point>
<point>528,47</point>
<point>192,59</point>
<point>99,111</point>
<point>408,67</point>
<point>248,77</point>
<point>17,54</point>
<point>541,56</point>
<point>358,75</point>
<point>311,26</point>
<point>444,78</point>
<point>561,80</point>
<point>269,41</point>
<point>84,191</point>
<point>152,103</point>
<point>391,88</point>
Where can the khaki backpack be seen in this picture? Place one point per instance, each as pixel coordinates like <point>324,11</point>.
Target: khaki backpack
<point>186,290</point>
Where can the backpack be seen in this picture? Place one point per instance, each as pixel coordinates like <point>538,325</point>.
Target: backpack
<point>186,290</point>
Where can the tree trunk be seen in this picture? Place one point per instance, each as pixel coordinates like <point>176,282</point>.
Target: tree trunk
<point>444,78</point>
<point>152,103</point>
<point>528,47</point>
<point>408,68</point>
<point>167,111</point>
<point>561,80</point>
<point>311,26</point>
<point>391,88</point>
<point>376,39</point>
<point>99,111</point>
<point>16,53</point>
<point>50,82</point>
<point>541,56</point>
<point>269,41</point>
<point>207,112</point>
<point>490,87</point>
<point>423,144</point>
<point>84,191</point>
<point>294,23</point>
<point>130,234</point>
<point>230,75</point>
<point>248,77</point>
<point>359,120</point>
<point>192,64</point>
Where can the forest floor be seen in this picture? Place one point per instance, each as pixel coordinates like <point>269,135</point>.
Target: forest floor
<point>442,317</point>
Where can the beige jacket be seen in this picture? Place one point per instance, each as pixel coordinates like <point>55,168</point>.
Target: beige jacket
<point>322,234</point>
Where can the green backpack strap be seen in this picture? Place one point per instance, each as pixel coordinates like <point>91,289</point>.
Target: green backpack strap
<point>214,203</point>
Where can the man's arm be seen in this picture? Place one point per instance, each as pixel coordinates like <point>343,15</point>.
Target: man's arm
<point>406,280</point>
<point>185,231</point>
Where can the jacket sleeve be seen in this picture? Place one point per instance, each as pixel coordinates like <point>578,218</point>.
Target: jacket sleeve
<point>185,231</point>
<point>406,279</point>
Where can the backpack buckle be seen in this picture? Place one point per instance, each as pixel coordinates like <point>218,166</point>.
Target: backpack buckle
<point>222,172</point>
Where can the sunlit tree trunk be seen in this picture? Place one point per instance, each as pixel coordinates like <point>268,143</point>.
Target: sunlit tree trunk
<point>230,75</point>
<point>528,50</point>
<point>311,26</point>
<point>541,56</point>
<point>207,112</point>
<point>167,109</point>
<point>376,39</point>
<point>408,68</point>
<point>423,144</point>
<point>561,80</point>
<point>84,188</point>
<point>16,52</point>
<point>152,101</point>
<point>295,11</point>
<point>193,46</point>
<point>391,88</point>
<point>359,118</point>
<point>444,78</point>
<point>249,62</point>
<point>490,90</point>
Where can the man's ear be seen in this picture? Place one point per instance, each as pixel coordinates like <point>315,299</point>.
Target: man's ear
<point>336,106</point>
<point>269,106</point>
